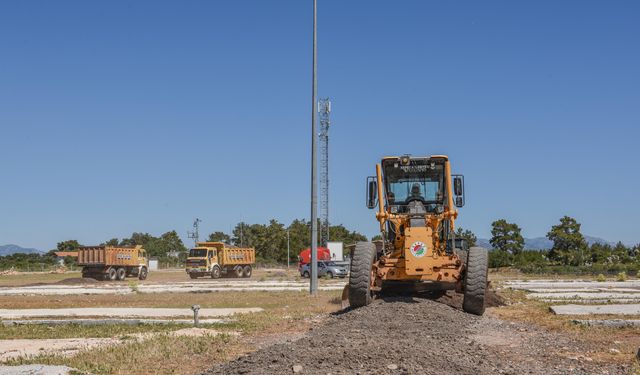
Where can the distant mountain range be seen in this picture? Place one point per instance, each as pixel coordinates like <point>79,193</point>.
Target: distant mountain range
<point>12,249</point>
<point>542,243</point>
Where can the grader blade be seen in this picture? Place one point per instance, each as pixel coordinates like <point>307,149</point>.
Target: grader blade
<point>345,297</point>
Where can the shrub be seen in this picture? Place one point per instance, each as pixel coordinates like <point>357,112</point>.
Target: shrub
<point>601,278</point>
<point>622,276</point>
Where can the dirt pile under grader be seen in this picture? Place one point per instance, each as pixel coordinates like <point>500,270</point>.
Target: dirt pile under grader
<point>416,335</point>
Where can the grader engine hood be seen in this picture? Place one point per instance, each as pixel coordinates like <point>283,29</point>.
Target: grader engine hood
<point>418,249</point>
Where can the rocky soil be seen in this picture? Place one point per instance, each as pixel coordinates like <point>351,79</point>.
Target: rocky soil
<point>413,335</point>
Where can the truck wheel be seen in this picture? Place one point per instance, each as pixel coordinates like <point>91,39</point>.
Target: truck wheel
<point>361,273</point>
<point>121,273</point>
<point>237,272</point>
<point>215,272</point>
<point>143,273</point>
<point>193,275</point>
<point>111,274</point>
<point>306,275</point>
<point>246,271</point>
<point>475,281</point>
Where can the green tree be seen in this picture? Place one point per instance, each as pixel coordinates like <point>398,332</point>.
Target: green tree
<point>506,237</point>
<point>299,236</point>
<point>112,242</point>
<point>568,243</point>
<point>137,239</point>
<point>70,245</point>
<point>377,237</point>
<point>161,246</point>
<point>219,237</point>
<point>339,233</point>
<point>468,235</point>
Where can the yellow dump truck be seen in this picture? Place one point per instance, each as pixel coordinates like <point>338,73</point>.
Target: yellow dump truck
<point>217,259</point>
<point>112,262</point>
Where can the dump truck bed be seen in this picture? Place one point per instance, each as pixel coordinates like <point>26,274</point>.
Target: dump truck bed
<point>108,256</point>
<point>233,256</point>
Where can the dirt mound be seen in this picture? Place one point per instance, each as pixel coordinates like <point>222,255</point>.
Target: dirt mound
<point>453,299</point>
<point>77,281</point>
<point>416,335</point>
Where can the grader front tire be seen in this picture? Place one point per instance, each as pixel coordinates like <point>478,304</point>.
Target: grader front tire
<point>360,274</point>
<point>475,285</point>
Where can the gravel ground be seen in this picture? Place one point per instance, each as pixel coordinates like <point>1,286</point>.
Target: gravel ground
<point>412,335</point>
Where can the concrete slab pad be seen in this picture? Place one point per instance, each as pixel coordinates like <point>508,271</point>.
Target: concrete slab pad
<point>96,322</point>
<point>614,323</point>
<point>631,309</point>
<point>25,347</point>
<point>122,312</point>
<point>587,301</point>
<point>67,347</point>
<point>35,370</point>
<point>570,295</point>
<point>573,284</point>
<point>583,290</point>
<point>206,286</point>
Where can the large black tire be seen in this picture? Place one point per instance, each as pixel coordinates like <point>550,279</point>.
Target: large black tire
<point>111,275</point>
<point>237,272</point>
<point>475,281</point>
<point>215,272</point>
<point>143,273</point>
<point>360,275</point>
<point>193,275</point>
<point>246,271</point>
<point>305,274</point>
<point>121,273</point>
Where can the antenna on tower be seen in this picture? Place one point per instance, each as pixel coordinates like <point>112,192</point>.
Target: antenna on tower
<point>324,109</point>
<point>195,235</point>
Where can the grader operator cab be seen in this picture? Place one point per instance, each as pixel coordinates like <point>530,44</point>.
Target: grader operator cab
<point>417,199</point>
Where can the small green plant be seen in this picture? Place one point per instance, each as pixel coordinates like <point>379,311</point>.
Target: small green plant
<point>601,278</point>
<point>133,285</point>
<point>622,276</point>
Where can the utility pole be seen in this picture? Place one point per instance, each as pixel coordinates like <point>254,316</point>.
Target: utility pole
<point>195,235</point>
<point>288,256</point>
<point>313,282</point>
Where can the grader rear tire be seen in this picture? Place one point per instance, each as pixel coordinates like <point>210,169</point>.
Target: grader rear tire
<point>475,284</point>
<point>360,274</point>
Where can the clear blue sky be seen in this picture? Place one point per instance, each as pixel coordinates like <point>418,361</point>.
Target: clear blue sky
<point>140,116</point>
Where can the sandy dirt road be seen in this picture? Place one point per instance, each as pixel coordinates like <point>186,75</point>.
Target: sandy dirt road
<point>410,335</point>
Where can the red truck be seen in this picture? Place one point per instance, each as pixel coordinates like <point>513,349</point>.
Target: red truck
<point>305,256</point>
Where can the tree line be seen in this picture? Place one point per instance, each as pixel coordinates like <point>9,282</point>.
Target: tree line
<point>570,252</point>
<point>270,241</point>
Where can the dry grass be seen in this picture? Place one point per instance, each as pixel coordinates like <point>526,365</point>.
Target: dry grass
<point>599,339</point>
<point>285,312</point>
<point>155,277</point>
<point>42,331</point>
<point>266,300</point>
<point>162,354</point>
<point>160,276</point>
<point>29,278</point>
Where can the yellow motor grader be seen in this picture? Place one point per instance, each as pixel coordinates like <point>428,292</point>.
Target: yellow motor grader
<point>417,199</point>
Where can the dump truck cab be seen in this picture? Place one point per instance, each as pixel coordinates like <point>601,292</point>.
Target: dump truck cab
<point>217,259</point>
<point>417,200</point>
<point>202,261</point>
